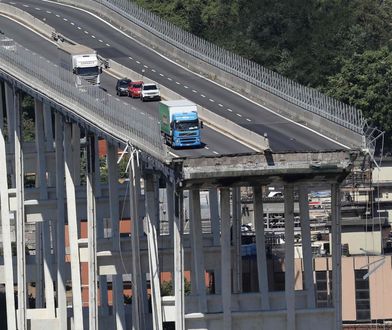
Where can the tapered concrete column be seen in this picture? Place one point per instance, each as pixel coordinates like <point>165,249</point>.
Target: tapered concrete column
<point>157,217</point>
<point>75,140</point>
<point>97,181</point>
<point>39,282</point>
<point>138,297</point>
<point>9,100</point>
<point>6,235</point>
<point>226,257</point>
<point>118,288</point>
<point>170,208</point>
<point>178,251</point>
<point>73,230</point>
<point>153,260</point>
<point>40,180</point>
<point>198,286</point>
<point>289,255</point>
<point>2,102</point>
<point>236,237</point>
<point>262,271</point>
<point>336,254</point>
<point>214,215</point>
<point>20,213</point>
<point>48,128</point>
<point>60,227</point>
<point>47,262</point>
<point>92,241</point>
<point>306,246</point>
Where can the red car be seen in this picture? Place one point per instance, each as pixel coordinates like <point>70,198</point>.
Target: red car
<point>134,88</point>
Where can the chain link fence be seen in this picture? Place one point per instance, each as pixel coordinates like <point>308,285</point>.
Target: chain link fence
<point>302,96</point>
<point>90,103</point>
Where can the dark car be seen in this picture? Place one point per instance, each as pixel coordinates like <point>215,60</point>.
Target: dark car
<point>122,86</point>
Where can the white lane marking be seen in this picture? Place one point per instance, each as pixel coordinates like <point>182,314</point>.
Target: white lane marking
<point>247,119</point>
<point>206,148</point>
<point>85,31</point>
<point>177,83</point>
<point>125,103</point>
<point>65,19</point>
<point>228,109</point>
<point>93,37</point>
<point>79,28</point>
<point>27,6</point>
<point>137,62</point>
<point>170,79</point>
<point>221,105</point>
<point>57,15</point>
<point>130,57</point>
<point>100,40</point>
<point>142,113</point>
<point>186,87</point>
<point>72,23</point>
<point>13,3</point>
<point>216,153</point>
<point>161,74</point>
<point>238,114</point>
<point>194,90</point>
<point>202,95</point>
<point>145,66</point>
<point>153,70</point>
<point>211,100</point>
<point>108,45</point>
<point>37,8</point>
<point>48,12</point>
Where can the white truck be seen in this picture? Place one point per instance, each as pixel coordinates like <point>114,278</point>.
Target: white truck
<point>82,61</point>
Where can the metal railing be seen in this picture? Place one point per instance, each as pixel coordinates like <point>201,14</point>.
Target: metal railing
<point>108,114</point>
<point>302,96</point>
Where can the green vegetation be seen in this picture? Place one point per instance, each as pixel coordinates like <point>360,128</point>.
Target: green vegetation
<point>341,47</point>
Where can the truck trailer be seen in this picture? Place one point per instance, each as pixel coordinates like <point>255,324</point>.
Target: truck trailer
<point>82,61</point>
<point>180,125</point>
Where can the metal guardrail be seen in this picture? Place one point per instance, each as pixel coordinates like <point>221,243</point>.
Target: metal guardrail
<point>302,96</point>
<point>124,122</point>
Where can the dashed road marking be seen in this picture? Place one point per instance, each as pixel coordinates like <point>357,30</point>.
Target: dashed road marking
<point>202,95</point>
<point>177,83</point>
<point>100,40</point>
<point>194,90</point>
<point>145,66</point>
<point>216,153</point>
<point>211,100</point>
<point>206,148</point>
<point>221,105</point>
<point>161,74</point>
<point>27,6</point>
<point>131,58</point>
<point>170,79</point>
<point>186,87</point>
<point>137,62</point>
<point>72,23</point>
<point>228,109</point>
<point>48,12</point>
<point>65,19</point>
<point>37,8</point>
<point>79,28</point>
<point>153,70</point>
<point>86,32</point>
<point>247,119</point>
<point>108,45</point>
<point>92,36</point>
<point>238,114</point>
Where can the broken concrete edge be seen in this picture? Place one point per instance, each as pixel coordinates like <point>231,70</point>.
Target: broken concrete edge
<point>255,141</point>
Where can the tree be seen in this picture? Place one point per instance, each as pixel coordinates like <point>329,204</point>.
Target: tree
<point>365,81</point>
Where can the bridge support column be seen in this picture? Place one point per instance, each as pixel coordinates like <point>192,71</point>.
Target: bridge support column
<point>215,230</point>
<point>9,104</point>
<point>20,213</point>
<point>40,180</point>
<point>75,142</point>
<point>226,257</point>
<point>47,262</point>
<point>262,273</point>
<point>236,237</point>
<point>336,254</point>
<point>60,225</point>
<point>306,247</point>
<point>198,286</point>
<point>73,228</point>
<point>152,219</point>
<point>39,282</point>
<point>48,128</point>
<point>92,241</point>
<point>118,299</point>
<point>138,296</point>
<point>289,255</point>
<point>176,197</point>
<point>2,102</point>
<point>6,235</point>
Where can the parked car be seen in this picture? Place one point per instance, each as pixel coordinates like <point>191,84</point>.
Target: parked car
<point>122,86</point>
<point>134,88</point>
<point>150,92</point>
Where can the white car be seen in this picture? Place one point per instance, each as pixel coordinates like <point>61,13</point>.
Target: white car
<point>150,91</point>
